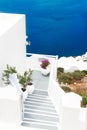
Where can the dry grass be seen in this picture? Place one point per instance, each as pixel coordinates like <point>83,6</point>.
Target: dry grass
<point>80,87</point>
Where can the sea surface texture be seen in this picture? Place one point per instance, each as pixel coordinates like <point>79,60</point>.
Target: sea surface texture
<point>57,27</point>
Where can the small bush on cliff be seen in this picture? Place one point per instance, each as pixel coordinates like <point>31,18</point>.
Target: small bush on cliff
<point>60,69</point>
<point>69,77</point>
<point>66,89</point>
<point>84,71</point>
<point>77,75</point>
<point>84,101</point>
<point>65,78</point>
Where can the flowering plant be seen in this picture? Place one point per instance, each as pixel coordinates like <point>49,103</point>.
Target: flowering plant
<point>44,63</point>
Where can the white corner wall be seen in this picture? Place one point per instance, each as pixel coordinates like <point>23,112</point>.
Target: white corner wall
<point>12,41</point>
<point>69,119</point>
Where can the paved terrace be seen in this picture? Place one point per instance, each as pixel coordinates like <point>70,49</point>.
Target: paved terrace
<point>40,81</point>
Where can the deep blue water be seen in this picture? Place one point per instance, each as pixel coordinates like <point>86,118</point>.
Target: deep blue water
<point>53,26</point>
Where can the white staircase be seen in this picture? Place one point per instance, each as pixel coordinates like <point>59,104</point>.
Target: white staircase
<point>39,111</point>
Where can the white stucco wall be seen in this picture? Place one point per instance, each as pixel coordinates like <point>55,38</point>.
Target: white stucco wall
<point>10,105</point>
<point>12,41</point>
<point>54,90</point>
<point>69,119</point>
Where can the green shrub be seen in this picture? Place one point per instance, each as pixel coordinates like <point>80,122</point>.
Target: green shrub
<point>84,71</point>
<point>84,101</point>
<point>66,89</point>
<point>60,69</point>
<point>77,75</point>
<point>72,78</point>
<point>65,78</point>
<point>25,79</point>
<point>5,75</point>
<point>69,77</point>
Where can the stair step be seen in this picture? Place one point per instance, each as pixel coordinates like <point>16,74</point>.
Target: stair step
<point>35,96</point>
<point>40,108</point>
<point>41,117</point>
<point>39,121</point>
<point>38,95</point>
<point>40,112</point>
<point>40,104</point>
<point>40,92</point>
<point>39,125</point>
<point>38,100</point>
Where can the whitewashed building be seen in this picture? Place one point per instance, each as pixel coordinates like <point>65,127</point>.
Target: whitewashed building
<point>48,107</point>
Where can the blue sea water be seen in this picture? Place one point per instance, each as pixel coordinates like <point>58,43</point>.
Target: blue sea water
<point>57,27</point>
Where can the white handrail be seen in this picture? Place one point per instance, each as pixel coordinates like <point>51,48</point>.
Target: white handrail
<point>52,56</point>
<point>54,90</point>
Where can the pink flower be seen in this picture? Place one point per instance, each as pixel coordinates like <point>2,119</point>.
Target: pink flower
<point>45,63</point>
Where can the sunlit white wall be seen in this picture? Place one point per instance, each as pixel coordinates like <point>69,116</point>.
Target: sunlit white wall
<point>12,41</point>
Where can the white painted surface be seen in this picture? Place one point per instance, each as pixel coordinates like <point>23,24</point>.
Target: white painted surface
<point>71,100</point>
<point>70,112</point>
<point>69,119</point>
<point>8,20</point>
<point>10,105</point>
<point>86,119</point>
<point>10,126</point>
<point>12,52</point>
<point>70,64</point>
<point>82,115</point>
<point>15,82</point>
<point>12,41</point>
<point>56,94</point>
<point>33,61</point>
<point>66,104</point>
<point>30,88</point>
<point>9,92</point>
<point>54,90</point>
